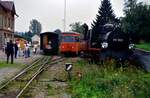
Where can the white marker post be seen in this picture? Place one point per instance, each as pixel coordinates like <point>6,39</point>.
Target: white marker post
<point>68,69</point>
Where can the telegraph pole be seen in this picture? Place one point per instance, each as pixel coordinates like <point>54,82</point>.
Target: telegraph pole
<point>64,15</point>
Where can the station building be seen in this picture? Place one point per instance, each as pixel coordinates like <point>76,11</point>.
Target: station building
<point>7,21</point>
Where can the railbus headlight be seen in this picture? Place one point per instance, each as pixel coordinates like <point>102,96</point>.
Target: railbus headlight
<point>72,47</point>
<point>104,45</point>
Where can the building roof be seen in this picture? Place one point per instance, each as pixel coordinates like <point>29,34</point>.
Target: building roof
<point>36,36</point>
<point>9,6</point>
<point>48,33</point>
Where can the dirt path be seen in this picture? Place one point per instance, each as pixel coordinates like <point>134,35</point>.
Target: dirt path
<point>7,73</point>
<point>51,84</point>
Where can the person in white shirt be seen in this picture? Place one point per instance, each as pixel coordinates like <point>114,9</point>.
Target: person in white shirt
<point>26,51</point>
<point>35,48</point>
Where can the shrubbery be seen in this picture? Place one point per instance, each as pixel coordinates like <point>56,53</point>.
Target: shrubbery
<point>107,81</point>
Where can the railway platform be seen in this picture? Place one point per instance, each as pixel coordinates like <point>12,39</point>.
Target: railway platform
<point>20,59</point>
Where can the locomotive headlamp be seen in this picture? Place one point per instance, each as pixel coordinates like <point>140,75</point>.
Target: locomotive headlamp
<point>104,45</point>
<point>131,46</point>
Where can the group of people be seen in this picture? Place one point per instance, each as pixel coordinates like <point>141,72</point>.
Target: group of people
<point>14,50</point>
<point>24,50</point>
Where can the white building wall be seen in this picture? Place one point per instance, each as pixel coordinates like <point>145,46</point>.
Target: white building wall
<point>36,38</point>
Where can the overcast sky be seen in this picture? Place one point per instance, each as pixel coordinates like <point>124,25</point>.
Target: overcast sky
<point>50,13</point>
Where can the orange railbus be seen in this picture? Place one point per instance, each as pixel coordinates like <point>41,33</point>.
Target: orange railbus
<point>70,42</point>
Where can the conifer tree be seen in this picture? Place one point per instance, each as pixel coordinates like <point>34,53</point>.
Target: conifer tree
<point>105,15</point>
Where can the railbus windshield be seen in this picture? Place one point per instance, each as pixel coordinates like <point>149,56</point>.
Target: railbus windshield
<point>70,39</point>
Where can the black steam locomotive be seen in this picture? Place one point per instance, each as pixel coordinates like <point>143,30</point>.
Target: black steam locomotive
<point>115,43</point>
<point>109,42</point>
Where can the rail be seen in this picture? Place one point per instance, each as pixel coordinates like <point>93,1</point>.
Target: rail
<point>29,73</point>
<point>42,68</point>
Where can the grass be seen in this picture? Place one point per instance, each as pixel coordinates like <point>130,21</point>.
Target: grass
<point>3,64</point>
<point>145,46</point>
<point>107,81</point>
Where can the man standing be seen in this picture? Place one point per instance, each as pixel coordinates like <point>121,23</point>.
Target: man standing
<point>10,51</point>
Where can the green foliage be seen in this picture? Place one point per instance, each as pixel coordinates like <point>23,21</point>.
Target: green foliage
<point>129,5</point>
<point>35,26</point>
<point>4,65</point>
<point>136,20</point>
<point>145,46</point>
<point>107,81</point>
<point>58,31</point>
<point>27,35</point>
<point>76,27</point>
<point>105,15</point>
<point>85,30</point>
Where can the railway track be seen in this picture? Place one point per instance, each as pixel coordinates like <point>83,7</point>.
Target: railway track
<point>16,86</point>
<point>143,58</point>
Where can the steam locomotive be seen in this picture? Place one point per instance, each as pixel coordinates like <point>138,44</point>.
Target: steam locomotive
<point>111,42</point>
<point>117,44</point>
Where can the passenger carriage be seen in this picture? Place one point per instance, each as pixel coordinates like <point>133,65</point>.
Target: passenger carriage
<point>49,42</point>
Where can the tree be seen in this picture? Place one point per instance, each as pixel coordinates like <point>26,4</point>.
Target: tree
<point>105,15</point>
<point>136,20</point>
<point>85,30</point>
<point>27,35</point>
<point>35,27</point>
<point>30,34</point>
<point>79,27</point>
<point>76,27</point>
<point>129,5</point>
<point>58,31</point>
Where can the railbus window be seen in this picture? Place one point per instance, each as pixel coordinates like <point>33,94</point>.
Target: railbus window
<point>77,39</point>
<point>70,39</point>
